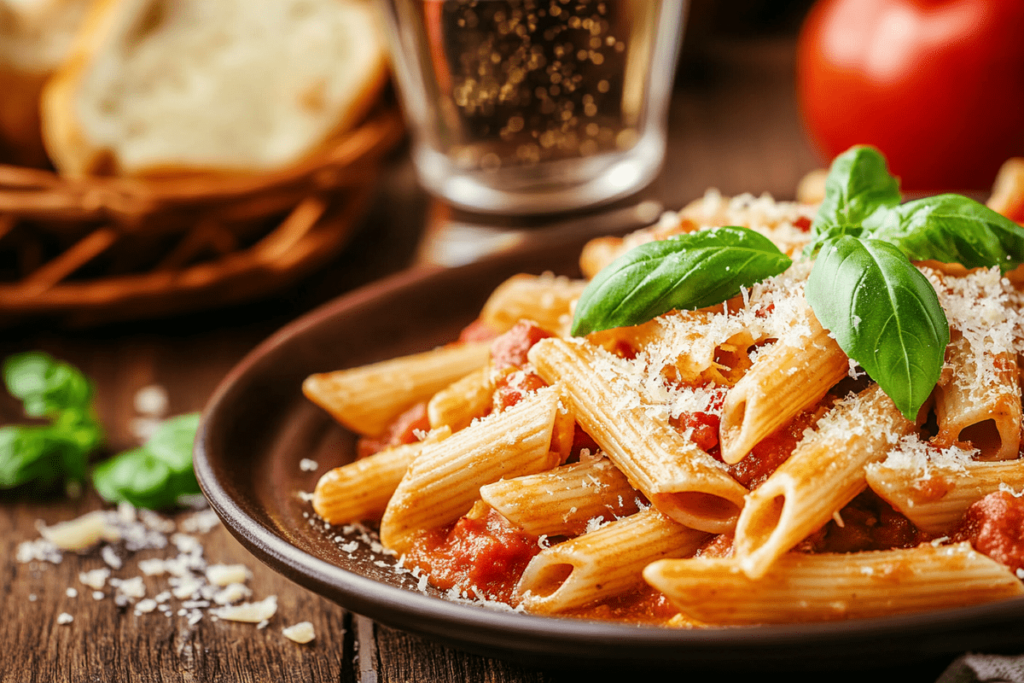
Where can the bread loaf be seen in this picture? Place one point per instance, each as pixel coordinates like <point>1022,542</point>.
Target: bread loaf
<point>165,86</point>
<point>35,37</point>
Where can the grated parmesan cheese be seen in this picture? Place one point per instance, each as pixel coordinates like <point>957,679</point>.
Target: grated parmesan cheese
<point>252,612</point>
<point>300,633</point>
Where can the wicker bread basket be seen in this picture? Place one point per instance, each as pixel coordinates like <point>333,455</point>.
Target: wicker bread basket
<point>105,248</point>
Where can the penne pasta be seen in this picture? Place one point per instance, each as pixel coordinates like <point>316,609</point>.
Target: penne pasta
<point>603,563</point>
<point>784,380</point>
<point>665,422</point>
<point>361,489</point>
<point>678,477</point>
<point>833,586</point>
<point>544,299</point>
<point>445,479</point>
<point>463,401</point>
<point>824,473</point>
<point>979,401</point>
<point>563,501</point>
<point>366,399</point>
<point>935,495</point>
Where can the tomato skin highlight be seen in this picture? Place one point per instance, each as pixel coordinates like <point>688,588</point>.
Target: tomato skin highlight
<point>936,85</point>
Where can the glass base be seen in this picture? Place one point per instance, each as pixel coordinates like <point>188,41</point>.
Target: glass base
<point>548,187</point>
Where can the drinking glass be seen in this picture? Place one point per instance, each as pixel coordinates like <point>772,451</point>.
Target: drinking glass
<point>535,106</point>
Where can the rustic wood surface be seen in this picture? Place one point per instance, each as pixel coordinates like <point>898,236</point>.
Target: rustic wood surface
<point>735,127</point>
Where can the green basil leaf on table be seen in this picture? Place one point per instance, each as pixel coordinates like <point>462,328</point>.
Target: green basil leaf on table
<point>173,440</point>
<point>884,314</point>
<point>858,185</point>
<point>44,385</point>
<point>43,455</point>
<point>951,228</point>
<point>683,272</point>
<point>157,474</point>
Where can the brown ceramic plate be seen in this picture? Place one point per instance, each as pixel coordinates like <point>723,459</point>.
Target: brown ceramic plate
<point>258,426</point>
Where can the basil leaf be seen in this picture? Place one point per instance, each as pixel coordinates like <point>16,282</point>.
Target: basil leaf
<point>173,440</point>
<point>45,386</point>
<point>157,474</point>
<point>858,185</point>
<point>683,272</point>
<point>138,477</point>
<point>953,229</point>
<point>884,314</point>
<point>41,455</point>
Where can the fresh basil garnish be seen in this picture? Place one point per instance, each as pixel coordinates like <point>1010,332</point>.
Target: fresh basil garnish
<point>683,272</point>
<point>884,314</point>
<point>858,185</point>
<point>951,228</point>
<point>44,385</point>
<point>156,475</point>
<point>43,455</point>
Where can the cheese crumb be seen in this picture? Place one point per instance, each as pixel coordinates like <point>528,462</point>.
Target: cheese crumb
<point>94,579</point>
<point>233,593</point>
<point>81,533</point>
<point>64,618</point>
<point>307,465</point>
<point>300,633</point>
<point>252,612</point>
<point>224,574</point>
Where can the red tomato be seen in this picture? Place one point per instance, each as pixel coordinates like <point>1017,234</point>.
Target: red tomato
<point>937,85</point>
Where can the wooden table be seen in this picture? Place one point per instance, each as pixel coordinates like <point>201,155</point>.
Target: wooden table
<point>736,129</point>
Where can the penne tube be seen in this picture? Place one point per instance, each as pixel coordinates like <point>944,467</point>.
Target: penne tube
<point>801,588</point>
<point>603,563</point>
<point>936,499</point>
<point>361,489</point>
<point>979,402</point>
<point>784,380</point>
<point>444,481</point>
<point>824,473</point>
<point>678,477</point>
<point>367,398</point>
<point>544,299</point>
<point>562,501</point>
<point>461,402</point>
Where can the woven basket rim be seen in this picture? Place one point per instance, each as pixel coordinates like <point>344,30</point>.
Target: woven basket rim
<point>41,194</point>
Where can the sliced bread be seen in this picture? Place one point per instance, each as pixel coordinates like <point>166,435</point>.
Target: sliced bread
<point>35,37</point>
<point>166,86</point>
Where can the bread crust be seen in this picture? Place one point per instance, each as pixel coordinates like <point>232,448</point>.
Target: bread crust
<point>65,141</point>
<point>75,154</point>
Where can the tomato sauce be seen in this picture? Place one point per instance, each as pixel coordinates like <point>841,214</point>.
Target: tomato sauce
<point>477,331</point>
<point>772,451</point>
<point>510,349</point>
<point>643,605</point>
<point>512,387</point>
<point>402,430</point>
<point>995,527</point>
<point>868,523</point>
<point>487,553</point>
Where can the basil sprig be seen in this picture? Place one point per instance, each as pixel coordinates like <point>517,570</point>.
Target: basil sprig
<point>951,228</point>
<point>858,185</point>
<point>884,314</point>
<point>863,288</point>
<point>44,455</point>
<point>156,475</point>
<point>683,272</point>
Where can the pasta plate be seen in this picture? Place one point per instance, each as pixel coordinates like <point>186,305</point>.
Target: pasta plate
<point>258,427</point>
